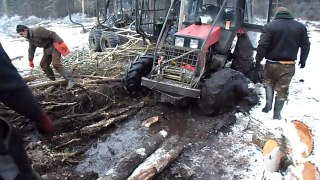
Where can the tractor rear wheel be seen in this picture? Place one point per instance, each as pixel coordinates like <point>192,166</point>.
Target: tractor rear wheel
<point>223,89</point>
<point>139,68</point>
<point>94,38</point>
<point>108,40</point>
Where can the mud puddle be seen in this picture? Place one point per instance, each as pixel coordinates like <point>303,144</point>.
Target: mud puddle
<point>187,123</point>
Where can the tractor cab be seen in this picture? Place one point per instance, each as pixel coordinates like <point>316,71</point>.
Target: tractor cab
<point>116,13</point>
<point>211,22</point>
<point>151,16</point>
<point>207,11</point>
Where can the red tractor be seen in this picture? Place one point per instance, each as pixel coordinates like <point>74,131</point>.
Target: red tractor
<point>195,62</point>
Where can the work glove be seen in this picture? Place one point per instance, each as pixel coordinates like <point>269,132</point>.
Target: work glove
<point>257,66</point>
<point>63,46</point>
<point>258,71</point>
<point>44,124</point>
<point>31,63</point>
<point>302,64</point>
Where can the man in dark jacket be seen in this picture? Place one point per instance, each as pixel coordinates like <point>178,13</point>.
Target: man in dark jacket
<point>279,44</point>
<point>41,37</point>
<point>15,94</point>
<point>14,162</point>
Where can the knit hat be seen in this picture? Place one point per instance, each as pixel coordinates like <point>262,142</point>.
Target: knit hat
<point>281,9</point>
<point>21,28</point>
<point>283,13</point>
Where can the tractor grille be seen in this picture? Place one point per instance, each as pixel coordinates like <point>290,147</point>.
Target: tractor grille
<point>179,64</point>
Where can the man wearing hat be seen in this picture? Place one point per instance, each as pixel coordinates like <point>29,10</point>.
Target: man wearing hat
<point>279,44</point>
<point>41,37</point>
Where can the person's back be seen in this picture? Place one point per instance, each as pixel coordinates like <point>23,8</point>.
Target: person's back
<point>287,36</point>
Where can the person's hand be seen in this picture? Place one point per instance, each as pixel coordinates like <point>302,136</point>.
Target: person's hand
<point>44,124</point>
<point>302,64</point>
<point>63,46</point>
<point>31,63</point>
<point>257,66</point>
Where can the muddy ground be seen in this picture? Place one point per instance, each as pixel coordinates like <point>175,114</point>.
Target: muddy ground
<point>78,151</point>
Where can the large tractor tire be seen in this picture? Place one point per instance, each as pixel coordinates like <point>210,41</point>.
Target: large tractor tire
<point>139,68</point>
<point>94,38</point>
<point>223,89</point>
<point>108,40</point>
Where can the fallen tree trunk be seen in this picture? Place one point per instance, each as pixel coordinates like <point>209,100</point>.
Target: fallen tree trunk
<point>261,136</point>
<point>30,78</point>
<point>158,161</point>
<point>132,160</point>
<point>105,80</point>
<point>107,122</point>
<point>89,116</point>
<point>62,81</point>
<point>49,83</point>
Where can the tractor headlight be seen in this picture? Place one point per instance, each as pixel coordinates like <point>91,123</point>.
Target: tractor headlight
<point>194,43</point>
<point>179,42</point>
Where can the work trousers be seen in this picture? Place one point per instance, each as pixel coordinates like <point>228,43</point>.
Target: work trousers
<point>51,55</point>
<point>279,76</point>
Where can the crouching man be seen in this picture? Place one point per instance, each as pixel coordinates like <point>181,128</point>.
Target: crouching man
<point>52,46</point>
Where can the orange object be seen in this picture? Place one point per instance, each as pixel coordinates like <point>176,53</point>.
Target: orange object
<point>305,136</point>
<point>228,23</point>
<point>31,64</point>
<point>306,171</point>
<point>310,171</point>
<point>272,155</point>
<point>188,67</point>
<point>62,48</point>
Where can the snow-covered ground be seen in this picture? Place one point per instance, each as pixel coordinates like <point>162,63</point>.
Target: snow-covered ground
<point>17,46</point>
<point>303,104</point>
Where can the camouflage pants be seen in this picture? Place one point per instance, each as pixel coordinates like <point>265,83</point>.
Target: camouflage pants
<point>279,76</point>
<point>51,55</point>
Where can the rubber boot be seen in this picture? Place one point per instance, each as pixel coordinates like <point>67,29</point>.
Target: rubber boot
<point>269,98</point>
<point>68,76</point>
<point>278,105</point>
<point>50,74</point>
<point>14,162</point>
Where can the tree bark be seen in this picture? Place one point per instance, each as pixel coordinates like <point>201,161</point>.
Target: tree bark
<point>93,128</point>
<point>132,160</point>
<point>261,136</point>
<point>158,161</point>
<point>59,82</point>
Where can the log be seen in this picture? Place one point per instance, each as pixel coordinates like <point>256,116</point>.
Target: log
<point>261,136</point>
<point>61,82</point>
<point>127,164</point>
<point>101,81</point>
<point>131,110</point>
<point>158,161</point>
<point>90,116</point>
<point>30,78</point>
<point>49,83</point>
<point>150,121</point>
<point>91,77</point>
